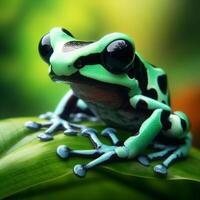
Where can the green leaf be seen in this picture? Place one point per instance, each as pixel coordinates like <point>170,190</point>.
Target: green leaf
<point>29,166</point>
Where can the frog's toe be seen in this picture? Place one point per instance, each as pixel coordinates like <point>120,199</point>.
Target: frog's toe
<point>160,169</point>
<point>80,170</point>
<point>78,117</point>
<point>143,160</point>
<point>33,125</point>
<point>45,137</point>
<point>47,115</point>
<point>111,134</point>
<point>63,151</point>
<point>71,132</point>
<point>92,134</point>
<point>88,132</point>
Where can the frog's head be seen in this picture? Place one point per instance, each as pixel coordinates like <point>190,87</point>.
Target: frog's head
<point>110,56</point>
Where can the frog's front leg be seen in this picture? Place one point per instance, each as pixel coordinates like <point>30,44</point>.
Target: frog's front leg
<point>130,149</point>
<point>59,119</point>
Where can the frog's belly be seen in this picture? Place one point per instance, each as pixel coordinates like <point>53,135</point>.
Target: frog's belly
<point>119,118</point>
<point>110,103</point>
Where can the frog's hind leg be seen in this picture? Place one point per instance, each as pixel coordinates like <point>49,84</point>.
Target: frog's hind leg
<point>180,152</point>
<point>179,129</point>
<point>157,145</point>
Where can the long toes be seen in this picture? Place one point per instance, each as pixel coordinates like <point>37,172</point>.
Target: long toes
<point>108,131</point>
<point>158,146</point>
<point>160,169</point>
<point>71,131</point>
<point>143,160</point>
<point>45,137</point>
<point>83,117</point>
<point>111,134</point>
<point>47,115</point>
<point>79,117</point>
<point>94,119</point>
<point>33,125</point>
<point>80,170</point>
<point>88,131</point>
<point>63,151</point>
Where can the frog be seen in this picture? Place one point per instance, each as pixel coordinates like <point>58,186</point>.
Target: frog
<point>111,82</point>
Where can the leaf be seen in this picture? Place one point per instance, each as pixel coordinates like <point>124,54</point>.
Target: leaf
<point>30,166</point>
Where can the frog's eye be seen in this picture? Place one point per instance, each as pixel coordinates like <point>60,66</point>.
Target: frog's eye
<point>118,56</point>
<point>45,48</point>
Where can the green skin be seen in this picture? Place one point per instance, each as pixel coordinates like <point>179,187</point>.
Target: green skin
<point>156,117</point>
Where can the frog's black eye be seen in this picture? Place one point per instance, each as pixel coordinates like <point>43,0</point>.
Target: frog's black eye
<point>67,32</point>
<point>45,48</point>
<point>118,56</point>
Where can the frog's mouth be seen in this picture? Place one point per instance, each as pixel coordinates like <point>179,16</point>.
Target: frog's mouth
<point>94,91</point>
<point>74,78</point>
<point>77,78</point>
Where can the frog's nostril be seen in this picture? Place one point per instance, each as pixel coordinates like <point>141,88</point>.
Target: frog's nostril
<point>67,32</point>
<point>45,48</point>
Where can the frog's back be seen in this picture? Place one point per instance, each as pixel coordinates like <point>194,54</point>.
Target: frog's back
<point>152,80</point>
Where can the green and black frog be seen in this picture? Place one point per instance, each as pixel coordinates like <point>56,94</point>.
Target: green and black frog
<point>111,82</point>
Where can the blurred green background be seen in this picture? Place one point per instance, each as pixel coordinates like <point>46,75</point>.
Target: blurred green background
<point>166,33</point>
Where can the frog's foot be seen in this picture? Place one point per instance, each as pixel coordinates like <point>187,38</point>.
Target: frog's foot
<point>47,115</point>
<point>170,153</point>
<point>79,117</point>
<point>158,146</point>
<point>145,159</point>
<point>102,152</point>
<point>53,125</point>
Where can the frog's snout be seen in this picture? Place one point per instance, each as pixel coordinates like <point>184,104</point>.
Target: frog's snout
<point>45,48</point>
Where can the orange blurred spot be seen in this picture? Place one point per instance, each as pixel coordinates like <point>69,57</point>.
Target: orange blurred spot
<point>188,101</point>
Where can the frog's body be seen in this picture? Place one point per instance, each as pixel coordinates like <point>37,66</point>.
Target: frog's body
<point>111,81</point>
<point>108,102</point>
